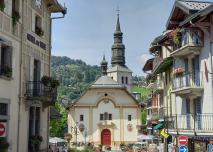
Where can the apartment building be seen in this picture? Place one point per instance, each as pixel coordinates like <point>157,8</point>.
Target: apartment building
<point>159,68</point>
<point>25,53</point>
<point>189,40</point>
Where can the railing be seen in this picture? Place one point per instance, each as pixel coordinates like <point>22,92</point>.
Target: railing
<point>188,80</point>
<point>158,84</point>
<point>38,89</point>
<point>189,38</point>
<point>156,62</point>
<point>196,122</point>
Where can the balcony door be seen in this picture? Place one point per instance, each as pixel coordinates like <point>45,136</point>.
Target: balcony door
<point>36,77</point>
<point>188,115</point>
<point>198,112</point>
<point>196,71</point>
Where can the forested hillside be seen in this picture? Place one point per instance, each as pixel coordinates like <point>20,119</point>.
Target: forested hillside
<point>74,75</point>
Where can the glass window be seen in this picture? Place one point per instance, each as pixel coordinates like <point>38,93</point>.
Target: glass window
<point>122,80</point>
<point>110,116</point>
<point>3,109</point>
<point>129,117</point>
<point>126,80</point>
<point>101,117</point>
<point>81,117</point>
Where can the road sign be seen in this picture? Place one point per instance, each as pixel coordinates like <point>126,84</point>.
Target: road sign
<point>183,149</point>
<point>2,129</point>
<point>182,140</point>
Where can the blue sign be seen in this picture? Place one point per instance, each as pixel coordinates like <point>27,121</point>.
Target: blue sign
<point>183,148</point>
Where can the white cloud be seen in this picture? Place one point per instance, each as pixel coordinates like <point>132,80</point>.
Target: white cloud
<point>143,58</point>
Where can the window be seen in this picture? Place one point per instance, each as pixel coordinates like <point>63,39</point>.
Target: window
<point>81,117</point>
<point>38,26</point>
<point>3,109</point>
<point>122,80</point>
<point>129,117</point>
<point>34,121</point>
<point>105,116</point>
<point>126,80</point>
<point>101,116</point>
<point>15,6</point>
<point>6,61</point>
<point>110,116</point>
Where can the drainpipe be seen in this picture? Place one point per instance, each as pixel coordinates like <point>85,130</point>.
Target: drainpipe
<point>20,76</point>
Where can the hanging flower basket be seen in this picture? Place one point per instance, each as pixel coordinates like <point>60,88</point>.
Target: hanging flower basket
<point>178,71</point>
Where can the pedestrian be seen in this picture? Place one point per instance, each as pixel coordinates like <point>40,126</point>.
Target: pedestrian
<point>210,146</point>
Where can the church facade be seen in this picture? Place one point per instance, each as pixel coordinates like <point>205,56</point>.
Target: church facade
<point>107,113</point>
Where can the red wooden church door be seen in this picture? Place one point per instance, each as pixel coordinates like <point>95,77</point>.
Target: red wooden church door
<point>106,137</point>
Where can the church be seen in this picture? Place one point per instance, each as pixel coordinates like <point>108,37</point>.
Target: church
<point>107,113</point>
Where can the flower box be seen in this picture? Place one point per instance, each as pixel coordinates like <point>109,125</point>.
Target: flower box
<point>178,71</point>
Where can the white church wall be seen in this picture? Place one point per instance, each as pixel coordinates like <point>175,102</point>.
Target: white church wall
<point>130,136</point>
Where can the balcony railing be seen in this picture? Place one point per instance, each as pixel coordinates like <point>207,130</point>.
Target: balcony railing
<point>194,80</point>
<point>189,41</point>
<point>158,85</point>
<point>193,122</point>
<point>156,62</point>
<point>36,89</point>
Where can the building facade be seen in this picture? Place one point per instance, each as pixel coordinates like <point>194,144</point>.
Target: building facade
<point>189,42</point>
<point>25,53</point>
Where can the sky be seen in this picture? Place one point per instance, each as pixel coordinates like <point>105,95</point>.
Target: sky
<point>86,32</point>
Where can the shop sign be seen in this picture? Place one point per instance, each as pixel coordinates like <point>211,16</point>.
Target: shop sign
<point>2,129</point>
<point>163,133</point>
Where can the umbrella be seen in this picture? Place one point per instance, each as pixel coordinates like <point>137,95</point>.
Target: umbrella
<point>144,137</point>
<point>56,140</point>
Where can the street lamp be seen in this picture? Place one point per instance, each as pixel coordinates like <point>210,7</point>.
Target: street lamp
<point>85,135</point>
<point>74,131</point>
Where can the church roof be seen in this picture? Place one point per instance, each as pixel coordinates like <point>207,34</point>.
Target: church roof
<point>105,81</point>
<point>119,68</point>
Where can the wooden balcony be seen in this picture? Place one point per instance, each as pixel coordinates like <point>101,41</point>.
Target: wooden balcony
<point>192,124</point>
<point>191,42</point>
<point>156,62</point>
<point>188,84</point>
<point>37,91</point>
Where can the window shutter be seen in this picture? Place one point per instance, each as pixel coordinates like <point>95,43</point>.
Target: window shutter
<point>33,21</point>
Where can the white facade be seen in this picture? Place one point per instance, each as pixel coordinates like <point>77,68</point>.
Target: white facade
<point>24,47</point>
<point>97,101</point>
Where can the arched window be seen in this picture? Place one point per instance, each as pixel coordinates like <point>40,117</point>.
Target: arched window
<point>122,80</point>
<point>126,80</point>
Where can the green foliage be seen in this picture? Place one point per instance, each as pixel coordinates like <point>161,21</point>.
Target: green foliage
<point>58,126</point>
<point>143,90</point>
<point>144,116</point>
<point>74,76</point>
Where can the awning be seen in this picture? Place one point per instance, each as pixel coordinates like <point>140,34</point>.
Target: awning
<point>158,126</point>
<point>164,66</point>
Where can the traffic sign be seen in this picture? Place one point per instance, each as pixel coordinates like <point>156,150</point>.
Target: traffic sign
<point>183,149</point>
<point>2,129</point>
<point>182,140</point>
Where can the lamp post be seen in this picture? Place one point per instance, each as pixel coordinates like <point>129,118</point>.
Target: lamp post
<point>85,135</point>
<point>74,131</point>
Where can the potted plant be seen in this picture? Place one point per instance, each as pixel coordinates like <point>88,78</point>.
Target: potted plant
<point>35,142</point>
<point>176,36</point>
<point>7,71</point>
<point>46,80</point>
<point>54,83</point>
<point>39,31</point>
<point>179,71</point>
<point>2,5</point>
<point>15,17</point>
<point>3,145</point>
